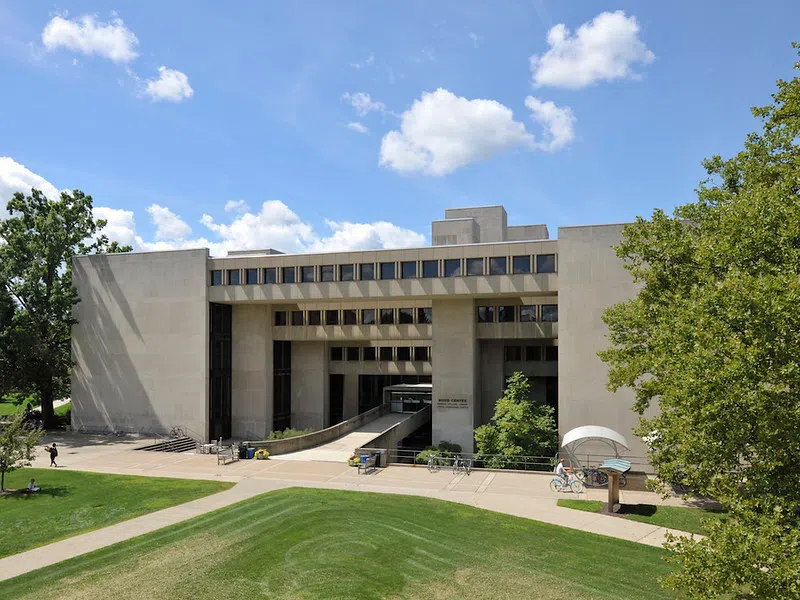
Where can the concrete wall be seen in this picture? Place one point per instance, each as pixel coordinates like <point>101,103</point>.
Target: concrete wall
<point>455,364</point>
<point>140,347</point>
<point>455,231</point>
<point>491,381</point>
<point>527,232</point>
<point>310,400</point>
<point>591,278</point>
<point>492,221</point>
<point>251,353</point>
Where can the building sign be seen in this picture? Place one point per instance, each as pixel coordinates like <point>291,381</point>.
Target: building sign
<point>452,403</point>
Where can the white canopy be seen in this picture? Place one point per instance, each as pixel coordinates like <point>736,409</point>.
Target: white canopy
<point>587,433</point>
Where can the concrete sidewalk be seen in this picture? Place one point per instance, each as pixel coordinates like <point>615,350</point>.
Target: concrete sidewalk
<point>524,495</point>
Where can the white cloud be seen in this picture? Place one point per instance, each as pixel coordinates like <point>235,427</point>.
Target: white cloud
<point>557,122</point>
<point>474,38</point>
<point>357,127</point>
<point>363,103</point>
<point>169,226</point>
<point>603,49</point>
<point>14,177</point>
<point>171,85</point>
<point>442,132</point>
<point>120,225</point>
<point>88,36</point>
<point>236,206</point>
<point>366,236</point>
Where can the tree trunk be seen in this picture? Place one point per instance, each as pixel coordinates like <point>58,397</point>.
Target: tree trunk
<point>48,415</point>
<point>3,481</point>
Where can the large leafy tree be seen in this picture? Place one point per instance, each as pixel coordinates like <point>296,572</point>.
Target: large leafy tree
<point>713,339</point>
<point>37,243</point>
<point>17,446</point>
<point>519,427</point>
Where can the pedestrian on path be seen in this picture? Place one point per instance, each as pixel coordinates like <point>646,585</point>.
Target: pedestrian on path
<point>53,454</point>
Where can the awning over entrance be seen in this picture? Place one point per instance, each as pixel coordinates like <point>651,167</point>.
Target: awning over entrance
<point>575,438</point>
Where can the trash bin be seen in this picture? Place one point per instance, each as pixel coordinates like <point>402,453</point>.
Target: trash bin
<point>382,458</point>
<point>243,451</point>
<point>251,452</point>
<point>363,458</point>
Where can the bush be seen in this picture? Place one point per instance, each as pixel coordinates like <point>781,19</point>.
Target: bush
<point>444,450</point>
<point>288,433</point>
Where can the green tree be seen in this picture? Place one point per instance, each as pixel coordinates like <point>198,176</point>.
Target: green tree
<point>713,338</point>
<point>39,239</point>
<point>7,347</point>
<point>17,445</point>
<point>519,427</point>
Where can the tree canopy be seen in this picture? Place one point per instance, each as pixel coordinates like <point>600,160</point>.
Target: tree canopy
<point>37,243</point>
<point>713,339</point>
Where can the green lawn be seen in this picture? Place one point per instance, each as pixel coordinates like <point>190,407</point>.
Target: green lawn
<point>62,410</point>
<point>311,544</point>
<point>73,502</point>
<point>9,408</point>
<point>674,517</point>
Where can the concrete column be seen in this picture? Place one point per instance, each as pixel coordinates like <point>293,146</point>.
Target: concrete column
<point>456,407</point>
<point>350,395</point>
<point>310,398</point>
<point>251,355</point>
<point>491,376</point>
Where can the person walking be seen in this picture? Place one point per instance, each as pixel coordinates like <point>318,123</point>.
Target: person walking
<point>53,455</point>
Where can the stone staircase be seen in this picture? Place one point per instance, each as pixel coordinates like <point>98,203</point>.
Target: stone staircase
<point>179,444</point>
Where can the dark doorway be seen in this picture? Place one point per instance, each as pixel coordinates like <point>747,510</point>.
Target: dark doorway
<point>282,385</point>
<point>220,380</point>
<point>336,394</point>
<point>370,387</point>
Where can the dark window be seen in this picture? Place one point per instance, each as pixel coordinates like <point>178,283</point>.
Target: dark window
<point>498,265</point>
<point>314,317</point>
<point>216,277</point>
<point>452,267</point>
<point>513,353</point>
<point>297,317</point>
<point>533,353</point>
<point>352,353</point>
<point>280,318</point>
<point>421,353</point>
<point>270,275</point>
<point>385,353</point>
<point>424,315</point>
<point>403,353</point>
<point>281,385</point>
<point>307,274</point>
<point>220,383</point>
<point>408,270</point>
<point>368,316</point>
<point>234,277</point>
<point>527,313</point>
<point>550,312</point>
<point>331,317</point>
<point>546,263</point>
<point>521,264</point>
<point>337,353</point>
<point>551,352</point>
<point>387,270</point>
<point>326,273</point>
<point>405,316</point>
<point>505,314</point>
<point>349,316</point>
<point>370,353</point>
<point>430,268</point>
<point>486,314</point>
<point>387,316</point>
<point>367,271</point>
<point>346,273</point>
<point>474,266</point>
<point>288,275</point>
<point>251,276</point>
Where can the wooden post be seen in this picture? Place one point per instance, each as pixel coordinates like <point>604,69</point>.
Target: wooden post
<point>613,492</point>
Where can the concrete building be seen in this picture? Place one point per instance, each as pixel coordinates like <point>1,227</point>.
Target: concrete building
<point>260,340</point>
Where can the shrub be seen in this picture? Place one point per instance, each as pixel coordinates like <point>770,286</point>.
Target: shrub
<point>444,450</point>
<point>288,433</point>
<point>262,454</point>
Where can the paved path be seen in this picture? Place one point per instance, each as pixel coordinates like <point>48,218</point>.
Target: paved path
<point>522,494</point>
<point>340,449</point>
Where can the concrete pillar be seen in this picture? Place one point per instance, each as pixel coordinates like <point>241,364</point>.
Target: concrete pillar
<point>251,386</point>
<point>350,395</point>
<point>310,398</point>
<point>491,377</point>
<point>456,408</point>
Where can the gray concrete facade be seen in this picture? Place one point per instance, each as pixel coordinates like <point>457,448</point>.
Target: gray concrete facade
<point>486,300</point>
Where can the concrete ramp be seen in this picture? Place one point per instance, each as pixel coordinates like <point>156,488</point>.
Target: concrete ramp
<point>340,449</point>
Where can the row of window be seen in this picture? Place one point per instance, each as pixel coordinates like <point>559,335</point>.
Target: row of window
<point>498,265</point>
<point>381,353</point>
<point>525,313</point>
<point>530,353</point>
<point>350,316</point>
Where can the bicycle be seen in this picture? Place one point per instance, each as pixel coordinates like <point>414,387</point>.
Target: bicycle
<point>573,483</point>
<point>433,463</point>
<point>461,464</point>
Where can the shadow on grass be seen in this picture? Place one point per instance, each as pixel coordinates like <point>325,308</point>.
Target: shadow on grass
<point>643,510</point>
<point>54,491</point>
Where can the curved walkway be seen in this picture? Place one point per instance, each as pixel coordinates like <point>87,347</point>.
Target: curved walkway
<point>520,494</point>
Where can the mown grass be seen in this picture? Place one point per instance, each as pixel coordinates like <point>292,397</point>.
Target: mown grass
<point>314,544</point>
<point>74,502</point>
<point>674,517</point>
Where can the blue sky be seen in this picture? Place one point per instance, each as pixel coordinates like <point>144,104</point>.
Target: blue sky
<point>341,115</point>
